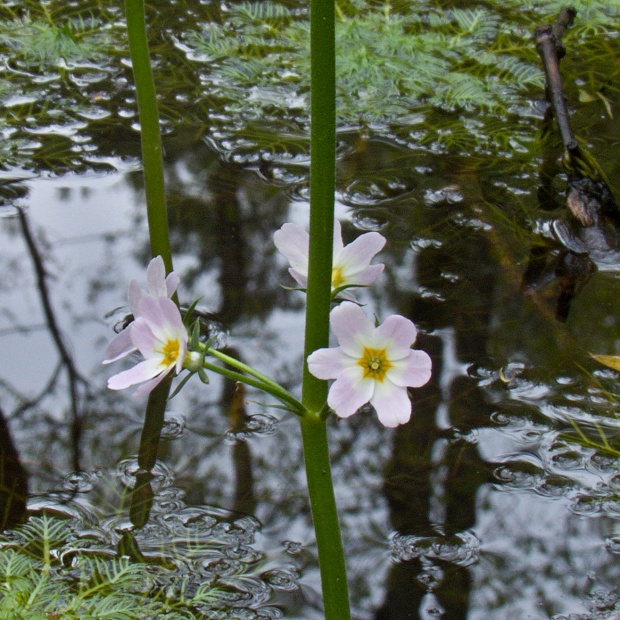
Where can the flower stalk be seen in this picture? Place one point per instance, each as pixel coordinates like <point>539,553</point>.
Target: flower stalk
<point>152,160</point>
<point>153,171</point>
<point>253,378</point>
<point>314,391</point>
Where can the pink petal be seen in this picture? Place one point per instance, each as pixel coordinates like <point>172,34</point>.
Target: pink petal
<point>367,276</point>
<point>349,392</point>
<point>414,371</point>
<point>327,363</point>
<point>299,278</point>
<point>172,315</point>
<point>148,386</point>
<point>120,346</point>
<point>356,256</point>
<point>143,371</point>
<point>391,403</point>
<point>156,277</point>
<point>351,327</point>
<point>396,334</point>
<point>172,283</point>
<point>338,243</point>
<point>294,243</point>
<point>162,314</point>
<point>149,308</point>
<point>143,337</point>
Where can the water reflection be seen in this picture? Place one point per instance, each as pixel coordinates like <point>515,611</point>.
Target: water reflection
<point>499,473</point>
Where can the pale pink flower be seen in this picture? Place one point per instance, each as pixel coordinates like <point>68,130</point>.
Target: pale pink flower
<point>351,263</point>
<point>158,286</point>
<point>372,364</point>
<point>159,334</point>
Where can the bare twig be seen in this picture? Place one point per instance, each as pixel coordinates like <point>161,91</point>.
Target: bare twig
<point>551,50</point>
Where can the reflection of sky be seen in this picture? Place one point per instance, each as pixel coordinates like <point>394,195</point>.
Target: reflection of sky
<point>90,232</point>
<point>72,220</point>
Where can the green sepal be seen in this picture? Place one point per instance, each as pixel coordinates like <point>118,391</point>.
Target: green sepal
<point>293,288</point>
<point>194,340</point>
<point>178,387</point>
<point>190,311</point>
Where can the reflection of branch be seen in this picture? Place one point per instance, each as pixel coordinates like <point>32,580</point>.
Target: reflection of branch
<point>28,403</point>
<point>66,360</point>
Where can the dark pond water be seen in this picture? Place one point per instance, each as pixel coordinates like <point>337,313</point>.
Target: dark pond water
<point>501,498</point>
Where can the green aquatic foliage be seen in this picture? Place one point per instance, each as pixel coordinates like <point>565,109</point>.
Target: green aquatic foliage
<point>460,79</point>
<point>46,572</point>
<point>43,43</point>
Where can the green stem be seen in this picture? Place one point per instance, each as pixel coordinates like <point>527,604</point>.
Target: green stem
<point>153,170</point>
<point>314,391</point>
<point>149,131</point>
<point>272,388</point>
<point>325,516</point>
<point>239,365</point>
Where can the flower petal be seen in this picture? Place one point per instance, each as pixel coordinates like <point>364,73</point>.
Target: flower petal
<point>156,277</point>
<point>327,363</point>
<point>145,370</point>
<point>337,239</point>
<point>414,371</point>
<point>148,386</point>
<point>120,346</point>
<point>391,403</point>
<point>294,243</point>
<point>143,338</point>
<point>369,275</point>
<point>396,334</point>
<point>163,315</point>
<point>356,256</point>
<point>172,283</point>
<point>351,327</point>
<point>349,392</point>
<point>172,316</point>
<point>301,279</point>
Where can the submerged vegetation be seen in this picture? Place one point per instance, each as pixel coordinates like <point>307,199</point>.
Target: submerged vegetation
<point>439,79</point>
<point>462,80</point>
<point>58,567</point>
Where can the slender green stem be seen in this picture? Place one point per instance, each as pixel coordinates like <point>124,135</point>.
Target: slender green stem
<point>322,189</point>
<point>314,391</point>
<point>239,365</point>
<point>272,388</point>
<point>153,170</point>
<point>325,516</point>
<point>149,129</point>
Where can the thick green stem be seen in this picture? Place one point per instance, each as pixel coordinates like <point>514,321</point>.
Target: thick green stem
<point>149,129</point>
<point>314,391</point>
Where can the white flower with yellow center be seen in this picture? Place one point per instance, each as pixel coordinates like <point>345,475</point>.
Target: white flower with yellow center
<point>159,286</point>
<point>160,336</point>
<point>351,263</point>
<point>372,365</point>
<point>157,332</point>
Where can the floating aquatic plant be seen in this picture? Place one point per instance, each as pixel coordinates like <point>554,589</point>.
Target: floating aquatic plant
<point>459,79</point>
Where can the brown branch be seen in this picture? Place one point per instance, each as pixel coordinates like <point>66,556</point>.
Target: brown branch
<point>551,50</point>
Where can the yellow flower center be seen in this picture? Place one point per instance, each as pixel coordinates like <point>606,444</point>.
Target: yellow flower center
<point>170,351</point>
<point>375,364</point>
<point>337,277</point>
